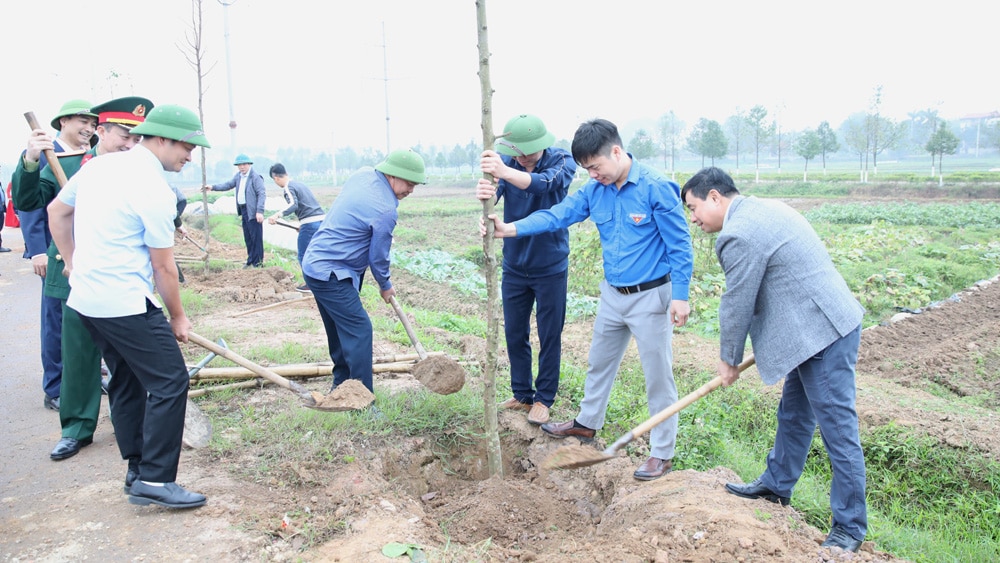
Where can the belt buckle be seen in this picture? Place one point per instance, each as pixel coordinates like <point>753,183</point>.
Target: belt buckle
<point>624,290</point>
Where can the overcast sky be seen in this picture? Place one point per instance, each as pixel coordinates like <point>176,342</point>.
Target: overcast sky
<point>311,73</point>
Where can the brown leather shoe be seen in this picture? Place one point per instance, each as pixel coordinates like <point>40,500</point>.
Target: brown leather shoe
<point>539,414</point>
<point>563,429</point>
<point>514,404</point>
<point>654,468</point>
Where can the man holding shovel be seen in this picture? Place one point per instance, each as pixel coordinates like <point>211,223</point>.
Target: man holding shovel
<point>123,210</point>
<point>531,175</point>
<point>356,235</point>
<point>647,271</point>
<point>783,291</point>
<point>80,398</point>
<point>303,204</point>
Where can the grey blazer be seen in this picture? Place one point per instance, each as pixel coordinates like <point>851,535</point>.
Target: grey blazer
<point>782,289</point>
<point>256,192</point>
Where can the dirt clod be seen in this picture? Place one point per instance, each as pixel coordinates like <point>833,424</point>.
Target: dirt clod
<point>440,374</point>
<point>351,395</point>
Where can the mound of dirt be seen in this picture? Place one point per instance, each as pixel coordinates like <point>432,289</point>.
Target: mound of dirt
<point>440,374</point>
<point>949,351</point>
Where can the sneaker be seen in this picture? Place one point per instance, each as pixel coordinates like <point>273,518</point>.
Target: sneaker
<point>303,288</point>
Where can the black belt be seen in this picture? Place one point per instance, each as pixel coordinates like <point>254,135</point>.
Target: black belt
<point>643,286</point>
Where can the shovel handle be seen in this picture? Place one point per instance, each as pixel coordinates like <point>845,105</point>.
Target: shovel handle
<point>409,329</point>
<point>673,409</point>
<point>258,369</point>
<point>50,155</point>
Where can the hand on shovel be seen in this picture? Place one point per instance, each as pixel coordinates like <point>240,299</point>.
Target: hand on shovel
<point>571,457</point>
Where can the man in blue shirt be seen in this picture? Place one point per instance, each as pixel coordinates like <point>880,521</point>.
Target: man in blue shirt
<point>532,175</point>
<point>356,235</point>
<point>647,270</point>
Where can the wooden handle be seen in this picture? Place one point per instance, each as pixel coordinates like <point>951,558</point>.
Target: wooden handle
<point>50,155</point>
<point>685,401</point>
<point>409,329</point>
<point>286,224</point>
<point>259,370</point>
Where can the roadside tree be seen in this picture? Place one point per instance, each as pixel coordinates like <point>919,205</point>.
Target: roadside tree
<point>760,132</point>
<point>827,140</point>
<point>942,142</point>
<point>708,140</point>
<point>641,146</point>
<point>808,145</point>
<point>739,130</point>
<point>669,136</point>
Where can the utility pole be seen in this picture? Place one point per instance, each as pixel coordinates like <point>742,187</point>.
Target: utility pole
<point>229,71</point>
<point>385,82</point>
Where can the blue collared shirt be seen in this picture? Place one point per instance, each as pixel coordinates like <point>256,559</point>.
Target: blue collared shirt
<point>643,229</point>
<point>356,233</point>
<point>545,254</point>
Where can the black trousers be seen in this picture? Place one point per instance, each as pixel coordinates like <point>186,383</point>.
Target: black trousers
<point>148,393</point>
<point>253,235</point>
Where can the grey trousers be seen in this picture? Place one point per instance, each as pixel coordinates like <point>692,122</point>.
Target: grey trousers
<point>619,318</point>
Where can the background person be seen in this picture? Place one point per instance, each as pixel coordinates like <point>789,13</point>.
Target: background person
<point>356,235</point>
<point>531,175</point>
<point>783,291</point>
<point>114,224</point>
<point>302,203</point>
<point>647,270</point>
<point>250,198</point>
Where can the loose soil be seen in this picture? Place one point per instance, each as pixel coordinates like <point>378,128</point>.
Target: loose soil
<point>395,488</point>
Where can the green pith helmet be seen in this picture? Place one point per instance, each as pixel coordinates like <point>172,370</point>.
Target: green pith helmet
<point>173,122</point>
<point>405,164</point>
<point>242,159</point>
<point>524,135</point>
<point>72,107</point>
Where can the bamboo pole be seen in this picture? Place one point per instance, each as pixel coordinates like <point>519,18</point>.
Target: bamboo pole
<point>494,454</point>
<point>307,370</point>
<point>305,297</point>
<point>200,392</point>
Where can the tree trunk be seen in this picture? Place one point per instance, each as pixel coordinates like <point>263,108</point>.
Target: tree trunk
<point>494,457</point>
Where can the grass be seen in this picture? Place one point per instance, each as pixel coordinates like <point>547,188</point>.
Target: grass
<point>926,502</point>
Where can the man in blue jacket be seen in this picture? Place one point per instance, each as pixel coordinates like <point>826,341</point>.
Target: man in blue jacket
<point>250,197</point>
<point>647,272</point>
<point>531,175</point>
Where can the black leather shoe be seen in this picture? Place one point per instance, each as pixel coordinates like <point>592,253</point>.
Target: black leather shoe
<point>69,447</point>
<point>170,495</point>
<point>571,428</point>
<point>756,490</point>
<point>654,468</point>
<point>130,478</point>
<point>840,538</point>
<point>51,403</point>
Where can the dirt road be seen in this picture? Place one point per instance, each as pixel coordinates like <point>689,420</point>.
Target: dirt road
<point>75,509</point>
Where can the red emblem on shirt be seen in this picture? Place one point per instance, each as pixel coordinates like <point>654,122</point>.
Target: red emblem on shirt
<point>86,158</point>
<point>637,217</point>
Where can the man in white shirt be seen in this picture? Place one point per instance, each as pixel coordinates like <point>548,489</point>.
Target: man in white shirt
<point>123,240</point>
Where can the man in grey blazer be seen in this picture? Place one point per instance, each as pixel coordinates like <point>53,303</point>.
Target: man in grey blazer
<point>783,291</point>
<point>250,197</point>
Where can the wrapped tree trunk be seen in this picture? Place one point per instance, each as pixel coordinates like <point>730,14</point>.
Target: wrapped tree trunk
<point>494,457</point>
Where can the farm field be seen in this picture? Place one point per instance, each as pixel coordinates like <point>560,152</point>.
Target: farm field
<point>288,483</point>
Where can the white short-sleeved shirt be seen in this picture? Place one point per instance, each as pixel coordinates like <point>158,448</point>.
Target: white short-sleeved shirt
<point>123,207</point>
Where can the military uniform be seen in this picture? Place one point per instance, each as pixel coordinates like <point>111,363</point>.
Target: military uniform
<point>80,397</point>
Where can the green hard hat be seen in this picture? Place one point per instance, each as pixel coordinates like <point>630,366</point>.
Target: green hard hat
<point>72,107</point>
<point>242,159</point>
<point>405,164</point>
<point>173,122</point>
<point>524,135</point>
